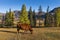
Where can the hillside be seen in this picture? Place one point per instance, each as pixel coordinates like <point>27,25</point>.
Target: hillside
<point>53,11</point>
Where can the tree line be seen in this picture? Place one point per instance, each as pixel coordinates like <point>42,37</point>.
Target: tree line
<point>29,17</point>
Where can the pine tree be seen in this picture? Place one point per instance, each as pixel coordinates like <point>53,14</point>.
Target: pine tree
<point>47,18</point>
<point>6,18</point>
<point>39,14</point>
<point>55,20</point>
<point>31,17</point>
<point>3,19</point>
<point>11,14</point>
<point>34,18</point>
<point>9,18</point>
<point>51,20</point>
<point>24,15</point>
<point>57,12</point>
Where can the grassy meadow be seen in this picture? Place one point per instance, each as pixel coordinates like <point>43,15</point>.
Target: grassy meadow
<point>50,33</point>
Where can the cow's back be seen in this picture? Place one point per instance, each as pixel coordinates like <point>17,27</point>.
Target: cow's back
<point>24,26</point>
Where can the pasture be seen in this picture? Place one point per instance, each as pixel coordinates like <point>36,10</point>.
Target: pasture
<point>50,33</point>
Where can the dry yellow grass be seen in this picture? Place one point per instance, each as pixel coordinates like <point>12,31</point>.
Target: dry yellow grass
<point>38,34</point>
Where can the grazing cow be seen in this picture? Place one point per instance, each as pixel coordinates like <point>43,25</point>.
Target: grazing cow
<point>25,27</point>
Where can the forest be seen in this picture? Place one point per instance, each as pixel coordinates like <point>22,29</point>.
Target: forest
<point>51,17</point>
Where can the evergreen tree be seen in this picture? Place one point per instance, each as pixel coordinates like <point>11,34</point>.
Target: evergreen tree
<point>39,14</point>
<point>51,20</point>
<point>47,18</point>
<point>57,12</point>
<point>34,18</point>
<point>3,19</point>
<point>31,16</point>
<point>55,20</point>
<point>24,15</point>
<point>11,14</point>
<point>9,18</point>
<point>6,18</point>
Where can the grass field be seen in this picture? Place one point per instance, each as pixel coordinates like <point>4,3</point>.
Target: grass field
<point>51,33</point>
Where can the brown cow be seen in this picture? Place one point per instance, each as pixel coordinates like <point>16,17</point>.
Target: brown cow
<point>25,27</point>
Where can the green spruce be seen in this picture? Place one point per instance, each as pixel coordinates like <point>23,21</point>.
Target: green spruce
<point>31,16</point>
<point>24,15</point>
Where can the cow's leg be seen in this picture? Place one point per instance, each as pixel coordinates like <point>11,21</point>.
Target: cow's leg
<point>31,30</point>
<point>18,30</point>
<point>17,33</point>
